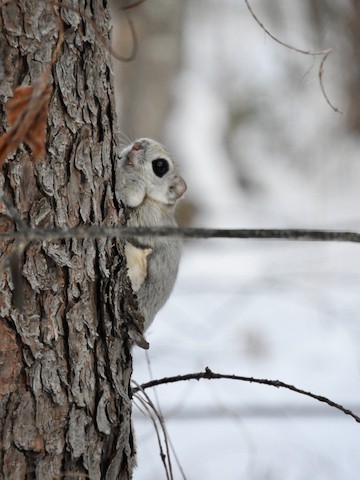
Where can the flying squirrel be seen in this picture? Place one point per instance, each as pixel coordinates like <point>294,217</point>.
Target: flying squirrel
<point>152,187</point>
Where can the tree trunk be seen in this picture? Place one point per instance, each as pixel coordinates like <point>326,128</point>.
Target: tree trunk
<point>65,362</point>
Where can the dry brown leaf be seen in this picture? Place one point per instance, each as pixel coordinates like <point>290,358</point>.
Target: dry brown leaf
<point>27,113</point>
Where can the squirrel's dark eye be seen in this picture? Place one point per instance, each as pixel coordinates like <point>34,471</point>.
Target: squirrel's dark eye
<point>160,167</point>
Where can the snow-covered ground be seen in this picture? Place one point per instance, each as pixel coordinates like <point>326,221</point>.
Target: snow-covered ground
<point>276,310</point>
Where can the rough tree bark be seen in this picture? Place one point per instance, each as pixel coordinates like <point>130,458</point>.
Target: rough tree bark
<point>65,362</point>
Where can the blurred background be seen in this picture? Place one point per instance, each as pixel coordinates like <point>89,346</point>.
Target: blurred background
<point>259,146</point>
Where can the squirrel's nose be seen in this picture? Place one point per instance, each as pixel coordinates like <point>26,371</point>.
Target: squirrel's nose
<point>180,187</point>
<point>137,146</point>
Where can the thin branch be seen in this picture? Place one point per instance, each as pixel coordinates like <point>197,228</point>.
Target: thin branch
<point>83,231</point>
<point>209,375</point>
<point>324,53</point>
<point>135,46</point>
<point>153,412</point>
<point>147,412</point>
<point>161,418</point>
<point>321,74</point>
<point>280,42</point>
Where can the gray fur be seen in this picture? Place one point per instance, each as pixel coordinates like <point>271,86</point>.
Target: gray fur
<point>152,201</point>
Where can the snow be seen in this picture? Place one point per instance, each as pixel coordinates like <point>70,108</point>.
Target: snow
<point>276,310</point>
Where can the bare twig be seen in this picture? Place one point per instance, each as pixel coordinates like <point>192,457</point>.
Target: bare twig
<point>209,375</point>
<point>82,231</point>
<point>147,412</point>
<point>162,420</point>
<point>156,415</point>
<point>321,74</point>
<point>323,53</point>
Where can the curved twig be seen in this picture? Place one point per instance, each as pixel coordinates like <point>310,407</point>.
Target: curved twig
<point>154,415</point>
<point>321,74</point>
<point>324,53</point>
<point>209,375</point>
